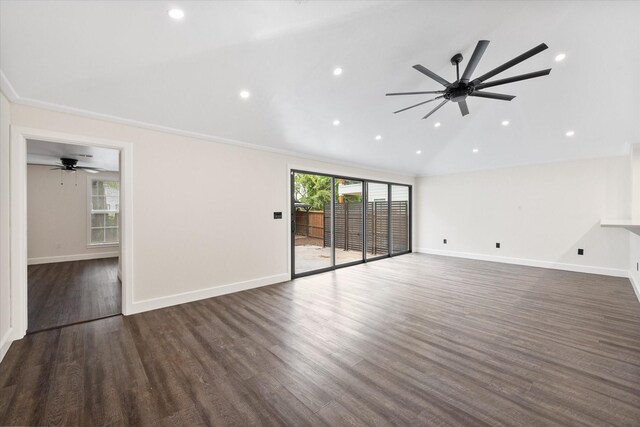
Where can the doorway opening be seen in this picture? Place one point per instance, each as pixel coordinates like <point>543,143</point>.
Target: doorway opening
<point>73,234</point>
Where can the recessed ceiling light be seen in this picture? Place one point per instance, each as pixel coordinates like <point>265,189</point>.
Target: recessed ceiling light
<point>419,152</point>
<point>244,94</point>
<point>475,150</point>
<point>560,57</point>
<point>436,125</point>
<point>570,133</point>
<point>176,13</point>
<point>336,122</point>
<point>337,71</point>
<point>378,137</point>
<point>505,123</point>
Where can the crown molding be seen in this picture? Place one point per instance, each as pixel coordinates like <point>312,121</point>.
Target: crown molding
<point>7,88</point>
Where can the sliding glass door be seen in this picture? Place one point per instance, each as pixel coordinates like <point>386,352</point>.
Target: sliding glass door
<point>400,219</point>
<point>311,222</point>
<point>339,221</point>
<point>348,220</point>
<point>377,213</point>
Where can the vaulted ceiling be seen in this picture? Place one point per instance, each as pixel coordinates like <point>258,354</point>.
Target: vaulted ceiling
<point>132,61</point>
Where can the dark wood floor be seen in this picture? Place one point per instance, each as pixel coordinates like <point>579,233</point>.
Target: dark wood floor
<point>69,292</point>
<point>414,340</point>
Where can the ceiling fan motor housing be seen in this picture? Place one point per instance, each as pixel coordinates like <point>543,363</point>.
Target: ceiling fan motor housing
<point>458,92</point>
<point>69,164</point>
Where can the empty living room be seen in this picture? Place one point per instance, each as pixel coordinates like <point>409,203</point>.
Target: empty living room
<point>319,212</point>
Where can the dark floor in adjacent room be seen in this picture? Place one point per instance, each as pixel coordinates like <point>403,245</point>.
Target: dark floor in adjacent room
<point>64,293</point>
<point>413,340</point>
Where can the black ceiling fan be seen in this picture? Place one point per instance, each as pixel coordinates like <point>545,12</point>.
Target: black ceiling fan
<point>463,87</point>
<point>71,165</point>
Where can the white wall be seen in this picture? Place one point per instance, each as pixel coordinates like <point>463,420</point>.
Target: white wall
<point>540,215</point>
<point>194,234</point>
<point>57,216</point>
<point>5,243</point>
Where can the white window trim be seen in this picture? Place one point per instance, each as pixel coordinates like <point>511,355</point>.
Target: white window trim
<point>91,178</point>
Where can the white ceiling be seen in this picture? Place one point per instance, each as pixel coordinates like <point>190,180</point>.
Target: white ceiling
<point>130,60</point>
<point>49,153</point>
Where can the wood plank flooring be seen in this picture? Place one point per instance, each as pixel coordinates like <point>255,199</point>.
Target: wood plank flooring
<point>413,340</point>
<point>63,293</point>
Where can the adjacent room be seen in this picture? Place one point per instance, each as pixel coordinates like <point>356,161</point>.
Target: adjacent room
<point>73,248</point>
<point>325,213</point>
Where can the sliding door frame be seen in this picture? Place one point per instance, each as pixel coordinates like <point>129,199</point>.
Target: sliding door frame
<point>364,259</point>
<point>388,184</point>
<point>410,222</point>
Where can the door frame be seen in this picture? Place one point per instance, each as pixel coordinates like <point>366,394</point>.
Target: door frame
<point>18,220</point>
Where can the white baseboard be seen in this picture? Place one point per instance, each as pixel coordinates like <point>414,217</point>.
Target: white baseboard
<point>65,258</point>
<point>635,285</point>
<point>606,271</point>
<point>5,343</point>
<point>185,297</point>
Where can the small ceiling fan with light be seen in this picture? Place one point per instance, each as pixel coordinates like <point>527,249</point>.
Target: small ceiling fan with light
<point>71,165</point>
<point>463,86</point>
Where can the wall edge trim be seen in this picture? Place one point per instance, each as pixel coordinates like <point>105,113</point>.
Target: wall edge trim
<point>6,342</point>
<point>66,258</point>
<point>14,97</point>
<point>605,271</point>
<point>635,285</point>
<point>200,294</point>
<point>7,88</point>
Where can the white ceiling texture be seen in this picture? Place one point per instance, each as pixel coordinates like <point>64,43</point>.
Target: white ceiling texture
<point>130,60</point>
<point>50,153</point>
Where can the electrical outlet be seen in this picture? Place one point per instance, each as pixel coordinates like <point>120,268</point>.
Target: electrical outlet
<point>444,241</point>
<point>580,251</point>
<point>497,245</point>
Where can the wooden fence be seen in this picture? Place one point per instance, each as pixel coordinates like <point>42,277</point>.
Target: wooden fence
<point>348,226</point>
<point>310,224</point>
<point>377,228</point>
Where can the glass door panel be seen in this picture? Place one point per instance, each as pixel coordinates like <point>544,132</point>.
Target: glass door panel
<point>312,222</point>
<point>399,218</point>
<point>377,227</point>
<point>335,223</point>
<point>348,220</point>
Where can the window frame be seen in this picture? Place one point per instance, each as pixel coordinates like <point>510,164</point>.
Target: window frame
<point>88,227</point>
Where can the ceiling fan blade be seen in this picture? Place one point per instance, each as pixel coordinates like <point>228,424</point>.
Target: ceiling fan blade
<point>436,109</point>
<point>464,108</point>
<point>475,60</point>
<point>413,93</point>
<point>518,59</point>
<point>88,170</point>
<point>492,95</point>
<point>514,79</point>
<point>431,74</point>
<point>418,104</point>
